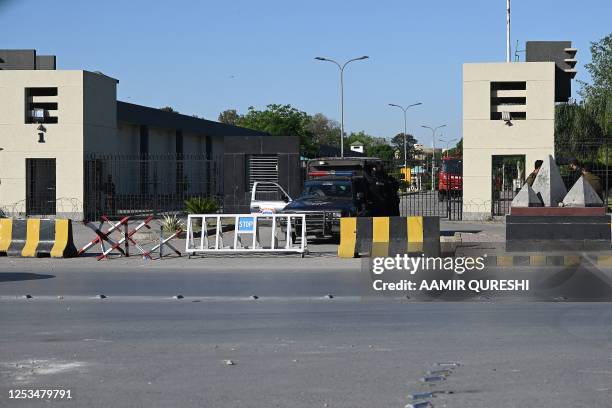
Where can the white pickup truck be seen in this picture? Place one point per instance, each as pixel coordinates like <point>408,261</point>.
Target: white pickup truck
<point>268,197</point>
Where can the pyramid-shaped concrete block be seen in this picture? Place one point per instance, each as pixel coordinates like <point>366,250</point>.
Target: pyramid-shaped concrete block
<point>548,184</point>
<point>582,194</point>
<point>527,198</point>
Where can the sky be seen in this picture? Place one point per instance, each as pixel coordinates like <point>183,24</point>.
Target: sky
<point>202,57</point>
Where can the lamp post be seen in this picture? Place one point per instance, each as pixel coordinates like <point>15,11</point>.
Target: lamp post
<point>447,143</point>
<point>341,67</point>
<point>404,109</point>
<point>433,153</point>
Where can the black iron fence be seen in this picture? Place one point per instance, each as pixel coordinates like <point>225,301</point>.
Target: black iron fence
<point>590,155</point>
<point>422,194</point>
<point>117,185</point>
<point>593,156</point>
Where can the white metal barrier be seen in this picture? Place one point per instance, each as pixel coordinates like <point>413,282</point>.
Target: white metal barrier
<point>246,230</point>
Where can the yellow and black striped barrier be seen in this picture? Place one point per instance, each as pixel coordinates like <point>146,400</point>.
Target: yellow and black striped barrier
<point>37,238</point>
<point>388,236</point>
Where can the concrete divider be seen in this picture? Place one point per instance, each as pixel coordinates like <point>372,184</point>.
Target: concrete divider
<point>37,238</point>
<point>389,236</point>
<point>6,232</point>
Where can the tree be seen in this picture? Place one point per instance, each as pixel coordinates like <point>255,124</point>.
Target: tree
<point>577,131</point>
<point>382,151</point>
<point>360,136</point>
<point>456,151</point>
<point>324,131</point>
<point>600,69</point>
<point>229,117</point>
<point>281,120</point>
<point>398,143</point>
<point>168,109</point>
<point>597,95</point>
<point>581,129</point>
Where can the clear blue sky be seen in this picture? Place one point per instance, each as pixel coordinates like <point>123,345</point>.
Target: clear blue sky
<point>204,57</point>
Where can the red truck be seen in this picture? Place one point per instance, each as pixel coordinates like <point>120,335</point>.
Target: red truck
<point>450,178</point>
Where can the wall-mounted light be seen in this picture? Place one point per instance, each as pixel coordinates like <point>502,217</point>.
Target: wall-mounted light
<point>507,117</point>
<point>41,133</point>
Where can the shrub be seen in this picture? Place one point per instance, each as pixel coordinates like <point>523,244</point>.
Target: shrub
<point>200,205</point>
<point>172,223</point>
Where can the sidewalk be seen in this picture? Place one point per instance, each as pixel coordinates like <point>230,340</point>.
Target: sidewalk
<point>470,231</point>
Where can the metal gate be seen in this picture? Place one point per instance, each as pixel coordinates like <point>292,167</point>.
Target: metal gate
<point>422,197</point>
<point>432,203</point>
<point>507,178</point>
<point>40,182</point>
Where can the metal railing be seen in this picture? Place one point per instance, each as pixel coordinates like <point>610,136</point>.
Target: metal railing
<point>592,154</point>
<point>117,185</point>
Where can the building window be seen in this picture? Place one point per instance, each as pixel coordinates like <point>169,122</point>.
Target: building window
<point>509,100</point>
<point>41,105</point>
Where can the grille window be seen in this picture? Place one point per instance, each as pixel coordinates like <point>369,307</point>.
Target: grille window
<point>510,97</point>
<point>262,168</point>
<point>41,105</point>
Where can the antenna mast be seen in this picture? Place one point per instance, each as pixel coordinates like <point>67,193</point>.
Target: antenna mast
<point>507,30</point>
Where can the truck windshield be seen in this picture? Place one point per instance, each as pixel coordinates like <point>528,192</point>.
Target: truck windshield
<point>332,189</point>
<point>452,166</point>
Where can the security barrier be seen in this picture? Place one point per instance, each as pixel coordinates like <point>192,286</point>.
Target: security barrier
<point>247,232</point>
<point>388,236</point>
<point>120,244</point>
<point>37,238</point>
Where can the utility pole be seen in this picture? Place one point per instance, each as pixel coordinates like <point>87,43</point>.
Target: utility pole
<point>507,30</point>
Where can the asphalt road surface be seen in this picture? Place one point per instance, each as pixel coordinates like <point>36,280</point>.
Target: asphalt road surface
<point>291,347</point>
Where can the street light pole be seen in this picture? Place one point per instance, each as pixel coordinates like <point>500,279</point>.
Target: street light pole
<point>341,67</point>
<point>447,144</point>
<point>433,153</point>
<point>404,109</point>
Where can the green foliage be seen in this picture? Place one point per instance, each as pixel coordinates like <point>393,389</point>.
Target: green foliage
<point>168,109</point>
<point>314,131</point>
<point>360,136</point>
<point>229,117</point>
<point>456,151</point>
<point>582,128</point>
<point>576,129</point>
<point>398,143</point>
<point>600,69</point>
<point>382,151</point>
<point>172,224</point>
<point>200,205</point>
<point>281,120</point>
<point>324,131</point>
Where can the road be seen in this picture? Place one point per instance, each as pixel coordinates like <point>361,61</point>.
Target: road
<point>292,347</point>
<point>330,353</point>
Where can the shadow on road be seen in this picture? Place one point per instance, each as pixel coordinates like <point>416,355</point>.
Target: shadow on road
<point>22,276</point>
